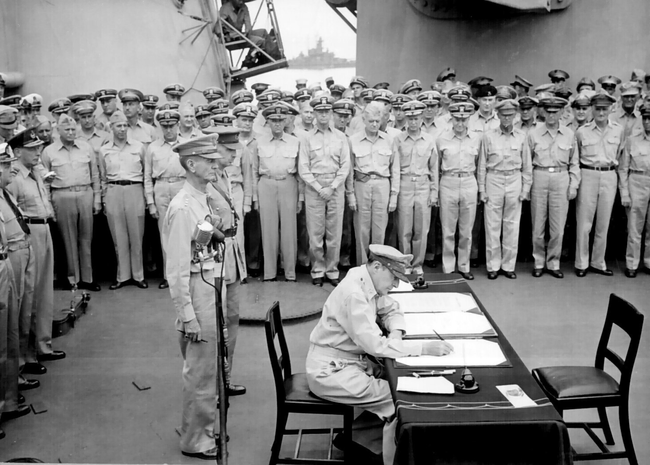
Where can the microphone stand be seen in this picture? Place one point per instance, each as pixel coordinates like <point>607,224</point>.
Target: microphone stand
<point>222,362</point>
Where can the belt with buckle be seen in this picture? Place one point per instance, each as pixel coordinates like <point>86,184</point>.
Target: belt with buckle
<point>275,178</point>
<point>73,188</point>
<point>641,172</point>
<point>365,177</point>
<point>36,220</point>
<point>504,172</point>
<point>598,168</point>
<point>3,256</point>
<point>458,174</point>
<point>335,353</point>
<point>124,183</point>
<point>171,179</point>
<point>415,177</point>
<point>551,169</point>
<point>230,232</point>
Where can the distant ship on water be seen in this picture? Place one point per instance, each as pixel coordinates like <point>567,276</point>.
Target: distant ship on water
<point>319,58</point>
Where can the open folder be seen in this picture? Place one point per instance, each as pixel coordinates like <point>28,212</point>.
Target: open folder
<point>467,353</point>
<point>447,324</point>
<point>426,302</point>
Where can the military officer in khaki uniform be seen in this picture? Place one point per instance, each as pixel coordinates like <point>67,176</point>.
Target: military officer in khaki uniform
<point>8,122</point>
<point>108,101</point>
<point>202,116</point>
<point>122,161</point>
<point>399,118</point>
<point>87,130</point>
<point>599,145</point>
<point>627,116</point>
<point>174,92</point>
<point>137,129</point>
<point>324,165</point>
<point>213,93</point>
<point>149,106</point>
<point>431,100</point>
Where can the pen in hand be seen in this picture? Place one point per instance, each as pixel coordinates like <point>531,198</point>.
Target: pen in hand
<point>451,348</point>
<point>200,340</point>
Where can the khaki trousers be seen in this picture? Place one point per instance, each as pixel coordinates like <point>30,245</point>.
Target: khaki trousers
<point>125,214</point>
<point>278,200</point>
<point>74,218</point>
<point>325,228</point>
<point>371,217</point>
<point>549,201</point>
<point>8,366</point>
<point>238,200</point>
<point>163,193</point>
<point>638,216</point>
<point>502,215</point>
<point>458,198</point>
<point>595,198</point>
<point>413,217</point>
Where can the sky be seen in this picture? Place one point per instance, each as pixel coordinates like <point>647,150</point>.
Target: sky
<point>303,21</point>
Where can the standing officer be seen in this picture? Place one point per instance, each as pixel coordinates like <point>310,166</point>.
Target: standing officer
<point>85,111</point>
<point>431,100</point>
<point>599,147</point>
<point>556,177</point>
<point>213,93</point>
<point>458,153</point>
<point>527,117</point>
<point>76,197</point>
<point>174,92</point>
<point>505,176</point>
<point>191,271</point>
<point>357,85</point>
<point>202,116</point>
<point>324,165</point>
<point>415,149</point>
<point>396,102</point>
<point>108,101</point>
<point>187,127</point>
<point>521,86</point>
<point>122,160</point>
<point>279,192</point>
<point>149,105</point>
<point>8,122</point>
<point>634,185</point>
<point>609,83</point>
<point>627,115</point>
<point>137,129</point>
<point>373,183</point>
<point>163,174</point>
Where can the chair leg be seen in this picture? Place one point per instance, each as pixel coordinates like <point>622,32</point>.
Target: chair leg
<point>348,418</point>
<point>280,424</point>
<point>607,430</point>
<point>624,419</point>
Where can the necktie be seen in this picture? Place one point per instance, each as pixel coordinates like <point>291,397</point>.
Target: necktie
<point>19,216</point>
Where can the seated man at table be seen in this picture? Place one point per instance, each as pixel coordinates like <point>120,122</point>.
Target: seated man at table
<point>338,367</point>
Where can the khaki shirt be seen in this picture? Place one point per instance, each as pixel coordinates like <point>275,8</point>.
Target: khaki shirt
<point>374,157</point>
<point>433,129</point>
<point>631,122</point>
<point>29,191</point>
<point>502,151</point>
<point>96,139</point>
<point>418,157</point>
<point>635,157</point>
<point>160,161</point>
<point>456,154</point>
<point>324,152</point>
<point>548,151</point>
<point>13,232</point>
<point>350,315</point>
<point>250,145</point>
<point>600,148</point>
<point>122,164</point>
<point>525,126</point>
<point>142,132</point>
<point>479,123</point>
<point>276,158</point>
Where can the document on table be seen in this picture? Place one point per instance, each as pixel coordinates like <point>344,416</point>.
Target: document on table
<point>448,324</point>
<point>516,396</point>
<point>467,352</point>
<point>430,385</point>
<point>433,302</point>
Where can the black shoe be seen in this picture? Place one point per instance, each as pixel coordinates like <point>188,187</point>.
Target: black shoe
<point>34,369</point>
<point>21,411</point>
<point>55,355</point>
<point>253,273</point>
<point>580,273</point>
<point>317,282</point>
<point>510,274</point>
<point>605,272</point>
<point>163,284</point>
<point>207,455</point>
<point>537,272</point>
<point>630,273</point>
<point>89,286</point>
<point>334,281</point>
<point>243,281</point>
<point>289,280</point>
<point>492,275</point>
<point>118,285</point>
<point>142,284</point>
<point>473,263</point>
<point>21,399</point>
<point>29,384</point>
<point>272,280</point>
<point>235,390</point>
<point>556,273</point>
<point>467,276</point>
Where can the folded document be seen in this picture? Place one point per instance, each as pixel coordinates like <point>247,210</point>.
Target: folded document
<point>430,385</point>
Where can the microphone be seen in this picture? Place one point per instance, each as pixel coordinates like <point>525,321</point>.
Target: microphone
<point>215,221</point>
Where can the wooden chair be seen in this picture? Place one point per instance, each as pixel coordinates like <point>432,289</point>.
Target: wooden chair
<point>293,396</point>
<point>577,387</point>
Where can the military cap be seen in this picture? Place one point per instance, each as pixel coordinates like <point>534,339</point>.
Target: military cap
<point>462,109</point>
<point>291,110</point>
<point>269,97</point>
<point>8,117</point>
<point>218,106</point>
<point>84,106</point>
<point>25,104</point>
<point>150,100</point>
<point>506,92</point>
<point>507,106</point>
<point>487,90</point>
<point>585,81</point>
<point>168,117</point>
<point>79,97</point>
<point>130,95</point>
<point>337,89</point>
<point>644,110</point>
<point>60,105</point>
<point>287,96</point>
<point>367,94</point>
<point>275,112</point>
<point>302,95</point>
<point>609,79</point>
<point>169,106</point>
<point>637,75</point>
<point>117,117</point>
<point>244,109</point>
<point>480,81</point>
<point>212,93</point>
<point>344,107</point>
<point>26,138</point>
<point>174,89</point>
<point>562,91</point>
<point>527,102</point>
<point>359,80</point>
<point>410,85</point>
<point>446,74</point>
<point>202,110</point>
<point>300,83</point>
<point>582,99</point>
<point>519,81</point>
<point>223,119</point>
<point>329,81</point>
<point>398,263</point>
<point>12,101</point>
<point>381,85</point>
<point>558,74</point>
<point>260,87</point>
<point>630,88</point>
<point>35,100</point>
<point>6,153</point>
<point>548,87</point>
<point>242,96</point>
<point>66,121</point>
<point>228,137</point>
<point>203,146</point>
<point>552,103</point>
<point>40,120</point>
<point>430,97</point>
<point>382,95</point>
<point>437,86</point>
<point>459,93</point>
<point>602,99</point>
<point>322,103</point>
<point>315,87</point>
<point>101,94</point>
<point>397,100</point>
<point>413,108</point>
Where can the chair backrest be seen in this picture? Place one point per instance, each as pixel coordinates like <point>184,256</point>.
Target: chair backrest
<point>280,364</point>
<point>622,314</point>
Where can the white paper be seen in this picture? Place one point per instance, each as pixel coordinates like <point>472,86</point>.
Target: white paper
<point>456,323</point>
<point>467,352</point>
<point>403,287</point>
<point>428,385</point>
<point>517,397</point>
<point>426,302</point>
